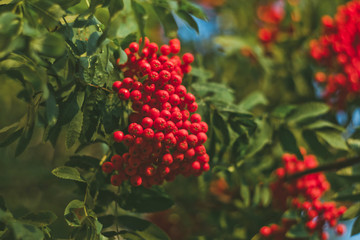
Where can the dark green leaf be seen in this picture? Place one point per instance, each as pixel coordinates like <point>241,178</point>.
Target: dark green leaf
<point>68,173</point>
<point>85,162</point>
<point>352,211</point>
<point>50,45</point>
<point>349,197</point>
<point>333,138</point>
<point>39,219</point>
<point>155,199</point>
<point>321,124</point>
<point>52,110</point>
<point>188,19</point>
<point>25,231</point>
<point>192,9</point>
<point>283,111</point>
<point>356,227</point>
<point>48,12</point>
<point>308,110</point>
<point>297,231</point>
<point>288,141</point>
<point>92,43</point>
<point>74,129</point>
<point>74,213</point>
<point>252,100</point>
<point>261,139</point>
<point>140,14</point>
<point>115,6</point>
<point>142,228</point>
<point>123,56</point>
<point>167,20</point>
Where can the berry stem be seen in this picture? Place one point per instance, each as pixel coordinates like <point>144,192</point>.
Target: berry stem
<point>339,164</point>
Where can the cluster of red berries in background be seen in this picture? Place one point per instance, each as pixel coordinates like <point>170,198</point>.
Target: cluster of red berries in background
<point>165,137</point>
<point>303,195</point>
<point>271,16</point>
<point>337,50</point>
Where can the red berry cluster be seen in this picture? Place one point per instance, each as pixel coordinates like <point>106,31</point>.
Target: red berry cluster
<point>271,16</point>
<point>165,137</point>
<point>337,49</point>
<point>303,195</point>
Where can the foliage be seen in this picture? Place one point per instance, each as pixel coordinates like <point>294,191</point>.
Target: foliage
<point>58,61</point>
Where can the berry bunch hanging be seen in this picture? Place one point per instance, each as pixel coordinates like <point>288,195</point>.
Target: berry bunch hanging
<point>337,50</point>
<point>165,137</point>
<point>303,195</point>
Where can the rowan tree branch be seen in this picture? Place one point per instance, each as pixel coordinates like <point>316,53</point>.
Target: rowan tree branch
<point>339,164</point>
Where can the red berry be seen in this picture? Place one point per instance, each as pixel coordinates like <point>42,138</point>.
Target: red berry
<point>136,180</point>
<point>265,231</point>
<point>116,86</point>
<point>134,47</point>
<point>116,180</point>
<point>340,229</point>
<point>118,136</point>
<point>135,95</point>
<point>188,58</point>
<point>147,122</point>
<point>165,50</point>
<point>124,94</point>
<point>107,167</point>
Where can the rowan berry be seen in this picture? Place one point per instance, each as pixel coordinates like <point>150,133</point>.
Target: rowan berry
<point>124,94</point>
<point>118,136</point>
<point>107,167</point>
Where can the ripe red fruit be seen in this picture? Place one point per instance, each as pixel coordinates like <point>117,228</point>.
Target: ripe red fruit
<point>167,159</point>
<point>265,231</point>
<point>118,136</point>
<point>165,50</point>
<point>116,180</point>
<point>116,86</point>
<point>124,94</point>
<point>188,58</point>
<point>107,167</point>
<point>136,180</point>
<point>147,122</point>
<point>134,47</point>
<point>340,229</point>
<point>135,95</point>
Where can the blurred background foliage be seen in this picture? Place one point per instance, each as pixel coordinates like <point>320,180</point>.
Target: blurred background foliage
<point>260,100</point>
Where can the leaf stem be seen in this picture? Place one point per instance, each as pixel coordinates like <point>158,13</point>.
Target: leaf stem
<point>339,164</point>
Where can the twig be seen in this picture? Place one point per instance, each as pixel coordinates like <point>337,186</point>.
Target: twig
<point>339,164</point>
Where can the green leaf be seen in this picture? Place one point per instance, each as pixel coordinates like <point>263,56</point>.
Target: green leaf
<point>123,56</point>
<point>155,200</point>
<point>188,19</point>
<point>92,43</point>
<point>297,231</point>
<point>74,129</point>
<point>142,228</point>
<point>10,133</point>
<point>265,196</point>
<point>221,131</point>
<point>308,110</point>
<point>52,110</point>
<point>25,231</point>
<point>115,6</point>
<point>39,219</point>
<point>321,124</point>
<point>9,29</point>
<point>140,15</point>
<point>354,144</point>
<point>352,211</point>
<point>192,9</point>
<point>283,111</point>
<point>356,227</point>
<point>245,194</point>
<point>68,173</point>
<point>49,13</point>
<point>348,197</point>
<point>84,162</point>
<point>288,141</point>
<point>252,100</point>
<point>167,20</point>
<point>333,138</point>
<point>261,139</point>
<point>50,45</point>
<point>74,213</point>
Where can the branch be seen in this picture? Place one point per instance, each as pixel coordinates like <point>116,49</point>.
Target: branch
<point>95,86</point>
<point>339,164</point>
